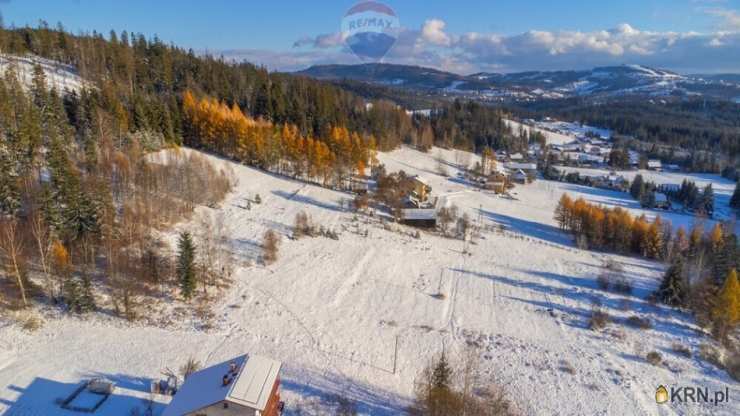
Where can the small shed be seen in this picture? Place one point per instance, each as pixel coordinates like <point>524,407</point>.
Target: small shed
<point>245,385</point>
<point>423,218</point>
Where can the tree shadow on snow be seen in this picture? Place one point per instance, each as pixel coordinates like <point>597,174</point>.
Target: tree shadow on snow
<point>530,228</point>
<point>304,199</point>
<point>577,295</point>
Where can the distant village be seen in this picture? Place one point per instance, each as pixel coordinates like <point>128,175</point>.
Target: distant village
<point>501,171</point>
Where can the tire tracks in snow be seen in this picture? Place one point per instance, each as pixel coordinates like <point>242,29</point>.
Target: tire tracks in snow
<point>353,278</point>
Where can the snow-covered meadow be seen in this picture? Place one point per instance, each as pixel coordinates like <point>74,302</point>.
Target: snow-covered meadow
<point>361,316</point>
<point>723,189</point>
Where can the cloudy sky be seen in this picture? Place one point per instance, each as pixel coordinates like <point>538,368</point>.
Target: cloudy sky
<point>462,36</point>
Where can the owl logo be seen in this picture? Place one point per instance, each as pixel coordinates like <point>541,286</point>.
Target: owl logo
<point>370,30</point>
<point>661,395</point>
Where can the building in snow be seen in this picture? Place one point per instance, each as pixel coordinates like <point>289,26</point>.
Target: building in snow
<point>246,385</point>
<point>525,166</point>
<point>655,164</point>
<point>422,189</point>
<point>661,201</point>
<point>422,218</point>
<point>516,157</point>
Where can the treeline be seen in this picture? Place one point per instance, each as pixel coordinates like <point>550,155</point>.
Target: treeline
<point>332,159</point>
<point>473,126</point>
<point>81,200</point>
<point>613,229</point>
<point>146,78</point>
<point>692,198</point>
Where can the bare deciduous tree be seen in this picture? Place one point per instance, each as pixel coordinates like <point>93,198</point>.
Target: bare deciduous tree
<point>12,248</point>
<point>42,238</point>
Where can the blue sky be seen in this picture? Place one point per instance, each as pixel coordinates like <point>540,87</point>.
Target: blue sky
<point>463,35</point>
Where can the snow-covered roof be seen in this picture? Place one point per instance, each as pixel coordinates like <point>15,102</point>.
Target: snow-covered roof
<point>660,197</point>
<point>654,163</point>
<point>516,165</point>
<point>418,214</point>
<point>516,156</point>
<point>420,179</point>
<point>251,386</point>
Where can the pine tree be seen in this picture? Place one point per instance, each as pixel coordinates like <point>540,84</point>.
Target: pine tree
<point>186,265</point>
<point>637,187</point>
<point>647,198</point>
<point>442,374</point>
<point>10,198</point>
<point>674,289</point>
<point>735,200</point>
<point>86,302</point>
<point>71,291</point>
<point>706,202</point>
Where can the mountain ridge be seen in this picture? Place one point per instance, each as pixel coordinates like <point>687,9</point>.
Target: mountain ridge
<point>605,81</point>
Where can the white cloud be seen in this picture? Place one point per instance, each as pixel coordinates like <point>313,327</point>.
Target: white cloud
<point>433,32</point>
<point>431,45</point>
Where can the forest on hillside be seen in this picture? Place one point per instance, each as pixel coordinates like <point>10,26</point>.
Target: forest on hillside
<point>141,81</point>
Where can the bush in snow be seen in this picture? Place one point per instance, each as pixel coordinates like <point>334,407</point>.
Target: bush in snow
<point>598,319</point>
<point>270,245</point>
<point>446,216</point>
<point>638,322</point>
<point>302,226</point>
<point>654,358</point>
<point>450,388</point>
<point>681,349</point>
<point>345,407</point>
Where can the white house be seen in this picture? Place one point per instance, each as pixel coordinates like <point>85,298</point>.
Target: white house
<point>655,164</point>
<point>247,385</point>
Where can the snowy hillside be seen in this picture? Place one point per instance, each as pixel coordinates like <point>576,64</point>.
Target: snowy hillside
<point>60,76</point>
<point>335,312</point>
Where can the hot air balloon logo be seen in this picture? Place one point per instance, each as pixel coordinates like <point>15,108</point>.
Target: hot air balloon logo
<point>370,29</point>
<point>661,395</point>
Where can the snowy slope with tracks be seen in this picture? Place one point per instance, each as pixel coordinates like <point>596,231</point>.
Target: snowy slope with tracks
<point>336,312</point>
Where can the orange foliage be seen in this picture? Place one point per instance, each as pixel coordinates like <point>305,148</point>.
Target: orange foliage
<point>228,131</point>
<point>613,229</point>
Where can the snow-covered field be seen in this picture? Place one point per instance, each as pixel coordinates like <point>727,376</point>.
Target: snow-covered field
<point>552,137</point>
<point>723,189</point>
<point>336,311</point>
